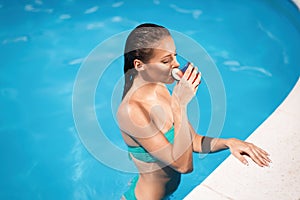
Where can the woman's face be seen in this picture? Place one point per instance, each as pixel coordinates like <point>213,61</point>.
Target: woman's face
<point>159,67</point>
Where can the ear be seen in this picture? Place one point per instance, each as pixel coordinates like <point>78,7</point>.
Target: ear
<point>138,65</point>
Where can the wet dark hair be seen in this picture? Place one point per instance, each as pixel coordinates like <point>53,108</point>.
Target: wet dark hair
<point>140,45</point>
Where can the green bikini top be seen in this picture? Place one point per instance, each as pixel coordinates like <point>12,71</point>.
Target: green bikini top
<point>142,154</point>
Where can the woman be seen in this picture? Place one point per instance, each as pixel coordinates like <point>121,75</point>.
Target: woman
<point>154,123</point>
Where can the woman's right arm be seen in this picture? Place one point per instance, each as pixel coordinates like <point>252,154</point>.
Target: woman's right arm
<point>182,94</point>
<point>137,120</point>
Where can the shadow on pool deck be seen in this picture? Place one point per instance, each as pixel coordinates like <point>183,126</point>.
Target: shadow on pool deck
<point>280,136</point>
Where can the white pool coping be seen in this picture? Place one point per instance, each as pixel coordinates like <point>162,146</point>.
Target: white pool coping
<point>297,2</point>
<point>280,136</point>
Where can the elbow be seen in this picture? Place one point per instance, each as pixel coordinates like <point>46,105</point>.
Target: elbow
<point>184,164</point>
<point>185,169</point>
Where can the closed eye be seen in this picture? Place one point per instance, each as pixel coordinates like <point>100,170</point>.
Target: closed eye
<point>165,61</point>
<point>170,58</point>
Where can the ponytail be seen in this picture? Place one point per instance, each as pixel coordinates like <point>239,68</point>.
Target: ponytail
<point>129,77</point>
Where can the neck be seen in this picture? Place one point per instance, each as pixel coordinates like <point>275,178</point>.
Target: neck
<point>139,83</point>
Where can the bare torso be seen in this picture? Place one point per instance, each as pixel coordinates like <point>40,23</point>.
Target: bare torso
<point>155,180</point>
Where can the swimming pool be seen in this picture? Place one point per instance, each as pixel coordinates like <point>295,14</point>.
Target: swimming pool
<point>43,44</point>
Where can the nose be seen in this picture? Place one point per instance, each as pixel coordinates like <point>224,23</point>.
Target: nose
<point>175,63</point>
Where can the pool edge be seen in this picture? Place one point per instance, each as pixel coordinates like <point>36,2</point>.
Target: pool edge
<point>279,135</point>
<point>297,3</point>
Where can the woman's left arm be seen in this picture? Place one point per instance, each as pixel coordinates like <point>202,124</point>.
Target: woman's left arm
<point>238,148</point>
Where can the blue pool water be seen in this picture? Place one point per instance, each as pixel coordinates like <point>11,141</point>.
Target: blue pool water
<point>254,44</point>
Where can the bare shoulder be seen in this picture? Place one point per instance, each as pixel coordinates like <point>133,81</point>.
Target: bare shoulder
<point>133,114</point>
<point>141,109</point>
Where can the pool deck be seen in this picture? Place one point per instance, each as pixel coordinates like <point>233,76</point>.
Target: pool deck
<point>280,136</point>
<point>297,3</point>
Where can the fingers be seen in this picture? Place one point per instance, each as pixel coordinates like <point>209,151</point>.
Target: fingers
<point>239,148</point>
<point>259,156</point>
<point>264,154</point>
<point>180,73</point>
<point>256,158</point>
<point>241,158</point>
<point>192,75</point>
<point>188,72</point>
<point>197,80</point>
